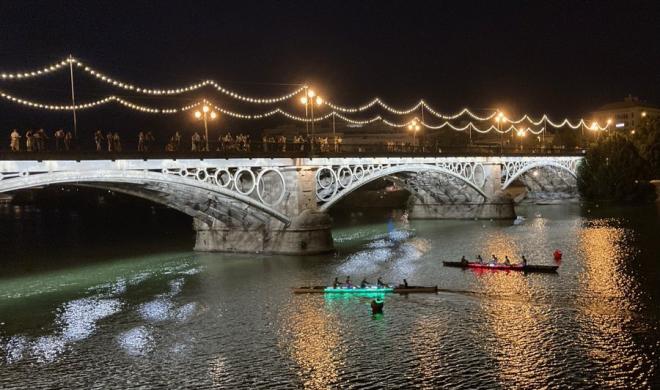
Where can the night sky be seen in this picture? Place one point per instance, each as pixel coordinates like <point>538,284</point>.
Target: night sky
<point>564,58</point>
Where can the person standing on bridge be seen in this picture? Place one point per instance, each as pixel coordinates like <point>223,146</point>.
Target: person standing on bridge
<point>98,140</point>
<point>37,141</point>
<point>141,141</point>
<point>194,142</point>
<point>14,141</point>
<point>149,141</point>
<point>116,142</point>
<point>67,141</point>
<point>177,141</point>
<point>29,141</point>
<point>59,140</point>
<point>109,140</point>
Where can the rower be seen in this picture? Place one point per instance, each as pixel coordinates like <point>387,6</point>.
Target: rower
<point>464,260</point>
<point>524,261</point>
<point>480,259</point>
<point>364,283</point>
<point>506,260</point>
<point>494,260</point>
<point>405,283</point>
<point>348,282</point>
<point>336,283</point>
<point>380,283</point>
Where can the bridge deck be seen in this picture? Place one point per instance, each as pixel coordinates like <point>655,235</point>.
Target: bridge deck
<point>257,152</point>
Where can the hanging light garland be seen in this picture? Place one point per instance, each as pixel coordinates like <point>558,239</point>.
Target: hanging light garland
<point>421,105</point>
<point>148,91</point>
<point>36,73</point>
<point>278,111</point>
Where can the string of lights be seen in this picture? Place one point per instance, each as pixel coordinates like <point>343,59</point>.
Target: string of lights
<point>88,105</point>
<point>421,105</point>
<point>149,91</point>
<point>156,110</point>
<point>36,73</point>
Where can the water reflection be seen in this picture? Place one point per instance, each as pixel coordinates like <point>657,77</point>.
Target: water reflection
<point>137,341</point>
<point>609,299</point>
<point>314,341</point>
<point>227,320</point>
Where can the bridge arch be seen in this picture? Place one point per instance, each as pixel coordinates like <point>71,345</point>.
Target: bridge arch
<point>514,169</point>
<point>197,198</point>
<point>342,188</point>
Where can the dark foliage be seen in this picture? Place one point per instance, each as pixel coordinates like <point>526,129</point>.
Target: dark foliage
<point>614,170</point>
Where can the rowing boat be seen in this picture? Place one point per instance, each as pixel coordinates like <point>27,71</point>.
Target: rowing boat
<point>365,290</point>
<point>503,267</point>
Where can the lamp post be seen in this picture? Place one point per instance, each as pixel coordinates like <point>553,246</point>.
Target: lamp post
<point>521,134</point>
<point>500,118</point>
<point>206,114</point>
<point>414,127</point>
<point>594,127</point>
<point>309,101</point>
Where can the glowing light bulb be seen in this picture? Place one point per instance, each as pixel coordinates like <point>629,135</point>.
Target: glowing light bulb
<point>319,101</point>
<point>205,108</point>
<point>311,93</point>
<point>303,100</point>
<point>198,114</point>
<point>213,115</point>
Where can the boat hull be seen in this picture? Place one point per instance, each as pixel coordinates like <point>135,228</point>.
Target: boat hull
<point>368,290</point>
<point>503,267</point>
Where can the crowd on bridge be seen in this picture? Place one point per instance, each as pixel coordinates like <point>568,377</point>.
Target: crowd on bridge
<point>38,140</point>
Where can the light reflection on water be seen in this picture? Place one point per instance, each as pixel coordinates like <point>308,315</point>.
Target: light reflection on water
<point>610,303</point>
<point>227,321</point>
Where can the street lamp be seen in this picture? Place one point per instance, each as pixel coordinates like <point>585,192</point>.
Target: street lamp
<point>309,101</point>
<point>414,127</point>
<point>206,114</point>
<point>500,118</point>
<point>521,134</point>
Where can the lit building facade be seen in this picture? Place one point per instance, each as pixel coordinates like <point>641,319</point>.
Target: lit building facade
<point>626,115</point>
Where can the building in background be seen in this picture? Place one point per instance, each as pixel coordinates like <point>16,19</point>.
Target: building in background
<point>626,115</point>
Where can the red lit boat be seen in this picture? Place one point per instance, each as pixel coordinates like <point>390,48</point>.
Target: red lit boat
<point>502,267</point>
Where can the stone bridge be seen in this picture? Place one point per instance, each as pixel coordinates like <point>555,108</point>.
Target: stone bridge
<point>279,205</point>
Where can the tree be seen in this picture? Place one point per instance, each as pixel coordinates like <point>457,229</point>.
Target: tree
<point>647,140</point>
<point>614,170</point>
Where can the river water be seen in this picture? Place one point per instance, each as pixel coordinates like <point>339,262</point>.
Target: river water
<point>116,299</point>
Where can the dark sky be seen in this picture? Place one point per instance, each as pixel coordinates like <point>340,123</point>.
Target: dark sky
<point>560,57</point>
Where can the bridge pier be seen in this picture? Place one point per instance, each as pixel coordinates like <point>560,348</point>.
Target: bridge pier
<point>309,233</point>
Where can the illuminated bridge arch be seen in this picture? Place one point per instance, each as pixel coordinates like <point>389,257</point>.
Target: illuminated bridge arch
<point>333,183</point>
<point>199,195</point>
<point>513,168</point>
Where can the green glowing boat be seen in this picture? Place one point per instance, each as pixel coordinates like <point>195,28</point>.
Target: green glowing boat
<point>365,290</point>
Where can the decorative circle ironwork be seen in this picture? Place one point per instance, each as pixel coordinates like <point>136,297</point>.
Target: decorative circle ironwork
<point>238,182</point>
<point>326,184</point>
<point>261,187</point>
<point>222,177</point>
